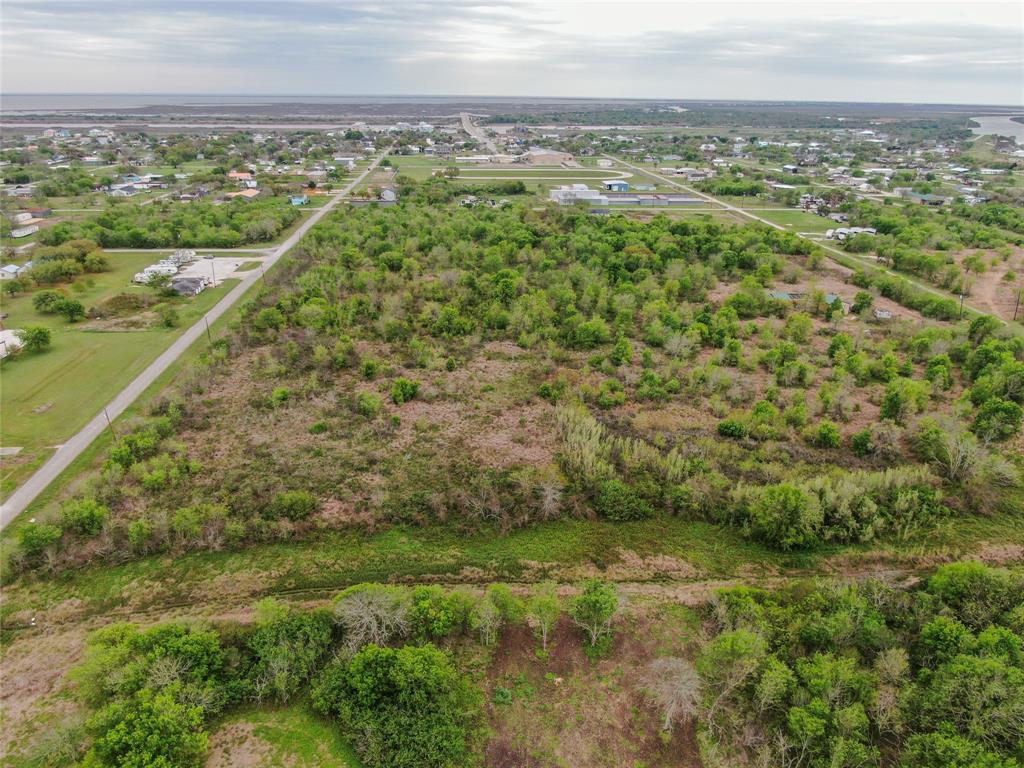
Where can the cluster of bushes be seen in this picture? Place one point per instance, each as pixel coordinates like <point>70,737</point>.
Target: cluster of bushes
<point>841,507</point>
<point>373,662</point>
<point>868,675</point>
<point>629,479</point>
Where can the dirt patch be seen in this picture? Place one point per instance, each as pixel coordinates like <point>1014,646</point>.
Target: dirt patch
<point>1002,554</point>
<point>31,671</point>
<point>517,437</point>
<point>237,746</point>
<point>569,710</point>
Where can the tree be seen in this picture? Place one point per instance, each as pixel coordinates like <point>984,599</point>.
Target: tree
<point>594,610</point>
<point>675,686</point>
<point>72,310</point>
<point>544,611</point>
<point>486,619</point>
<point>945,749</point>
<point>35,338</point>
<point>982,698</point>
<point>153,731</point>
<point>728,662</point>
<point>372,613</point>
<point>47,301</point>
<point>288,646</point>
<point>401,708</point>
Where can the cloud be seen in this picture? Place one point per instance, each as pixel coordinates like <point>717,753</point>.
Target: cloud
<point>725,50</point>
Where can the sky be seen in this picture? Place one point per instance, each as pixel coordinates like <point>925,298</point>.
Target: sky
<point>830,50</point>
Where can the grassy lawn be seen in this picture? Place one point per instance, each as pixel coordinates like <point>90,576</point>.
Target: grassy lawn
<point>798,221</point>
<point>48,396</point>
<point>286,737</point>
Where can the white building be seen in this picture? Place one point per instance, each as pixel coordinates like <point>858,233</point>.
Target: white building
<point>570,194</point>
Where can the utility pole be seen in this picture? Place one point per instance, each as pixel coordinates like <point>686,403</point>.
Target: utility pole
<point>961,306</point>
<point>209,337</point>
<point>1017,305</point>
<point>111,426</point>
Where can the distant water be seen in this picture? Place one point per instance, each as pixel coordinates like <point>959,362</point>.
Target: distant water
<point>1001,124</point>
<point>36,103</point>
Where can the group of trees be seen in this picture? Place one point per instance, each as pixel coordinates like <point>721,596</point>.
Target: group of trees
<point>59,264</point>
<point>373,662</point>
<point>867,675</point>
<point>167,225</point>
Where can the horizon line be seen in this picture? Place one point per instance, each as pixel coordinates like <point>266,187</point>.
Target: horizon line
<point>510,96</point>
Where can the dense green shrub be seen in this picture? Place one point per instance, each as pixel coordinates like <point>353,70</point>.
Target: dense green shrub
<point>615,500</point>
<point>293,505</point>
<point>400,707</point>
<point>83,516</point>
<point>786,516</point>
<point>403,390</point>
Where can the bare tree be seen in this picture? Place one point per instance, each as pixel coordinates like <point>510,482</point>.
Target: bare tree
<point>486,619</point>
<point>372,613</point>
<point>544,610</point>
<point>675,685</point>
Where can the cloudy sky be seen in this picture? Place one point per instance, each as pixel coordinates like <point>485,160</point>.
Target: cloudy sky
<point>968,52</point>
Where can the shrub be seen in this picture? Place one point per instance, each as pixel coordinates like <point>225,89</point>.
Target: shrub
<point>997,419</point>
<point>861,443</point>
<point>615,500</point>
<point>368,404</point>
<point>280,396</point>
<point>35,538</point>
<point>786,516</point>
<point>294,505</point>
<point>828,435</point>
<point>734,428</point>
<point>591,334</point>
<point>84,516</point>
<point>404,390</point>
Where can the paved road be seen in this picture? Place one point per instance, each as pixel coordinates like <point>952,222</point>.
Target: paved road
<point>73,448</point>
<point>268,249</point>
<point>477,133</point>
<point>832,251</point>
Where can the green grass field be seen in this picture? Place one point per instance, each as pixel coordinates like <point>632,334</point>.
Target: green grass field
<point>798,221</point>
<point>46,397</point>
